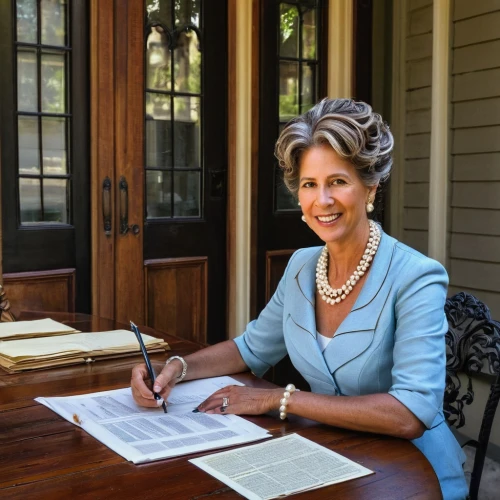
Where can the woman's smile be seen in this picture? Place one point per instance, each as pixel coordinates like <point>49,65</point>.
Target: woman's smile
<point>328,219</point>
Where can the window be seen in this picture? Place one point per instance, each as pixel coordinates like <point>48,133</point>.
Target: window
<point>173,106</point>
<point>43,59</point>
<point>298,74</point>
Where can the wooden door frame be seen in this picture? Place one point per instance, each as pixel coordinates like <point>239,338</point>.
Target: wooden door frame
<point>102,140</point>
<point>117,135</point>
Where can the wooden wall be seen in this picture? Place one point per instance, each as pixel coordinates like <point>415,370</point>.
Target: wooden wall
<point>417,124</point>
<point>475,167</point>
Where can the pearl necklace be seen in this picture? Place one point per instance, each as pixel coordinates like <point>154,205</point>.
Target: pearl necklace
<point>332,295</point>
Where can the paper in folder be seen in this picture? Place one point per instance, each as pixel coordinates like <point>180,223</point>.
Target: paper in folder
<point>75,348</point>
<point>30,329</point>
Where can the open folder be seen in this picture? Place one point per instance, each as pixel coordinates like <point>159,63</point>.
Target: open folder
<point>45,352</point>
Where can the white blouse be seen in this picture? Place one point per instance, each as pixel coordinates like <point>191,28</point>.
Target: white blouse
<point>322,341</point>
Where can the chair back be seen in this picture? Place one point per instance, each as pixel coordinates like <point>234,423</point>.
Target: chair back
<point>472,347</point>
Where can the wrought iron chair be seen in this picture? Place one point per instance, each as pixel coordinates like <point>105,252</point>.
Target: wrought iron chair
<point>5,312</point>
<point>472,346</point>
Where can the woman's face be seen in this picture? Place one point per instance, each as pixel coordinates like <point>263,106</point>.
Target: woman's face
<point>332,196</point>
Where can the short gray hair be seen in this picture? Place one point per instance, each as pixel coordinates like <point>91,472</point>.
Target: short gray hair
<point>351,128</point>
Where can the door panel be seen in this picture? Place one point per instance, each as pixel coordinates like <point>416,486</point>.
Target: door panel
<point>168,137</point>
<point>129,171</point>
<point>176,296</point>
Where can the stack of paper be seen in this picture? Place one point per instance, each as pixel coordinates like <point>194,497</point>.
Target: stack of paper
<point>44,352</point>
<point>30,329</point>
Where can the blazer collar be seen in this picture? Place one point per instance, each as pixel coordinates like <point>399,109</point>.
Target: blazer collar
<point>359,321</point>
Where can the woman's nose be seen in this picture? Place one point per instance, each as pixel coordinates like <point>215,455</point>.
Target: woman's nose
<point>324,197</point>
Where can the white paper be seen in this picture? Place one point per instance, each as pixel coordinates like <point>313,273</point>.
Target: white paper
<point>280,467</point>
<point>18,329</point>
<point>145,434</point>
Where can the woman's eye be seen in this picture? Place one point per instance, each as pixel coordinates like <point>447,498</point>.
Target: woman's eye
<point>338,181</point>
<point>308,184</point>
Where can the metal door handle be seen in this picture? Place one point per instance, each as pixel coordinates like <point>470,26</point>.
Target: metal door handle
<point>124,227</point>
<point>106,205</point>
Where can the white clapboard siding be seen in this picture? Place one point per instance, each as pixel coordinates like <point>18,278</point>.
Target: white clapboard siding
<point>418,4</point>
<point>420,21</point>
<point>477,113</point>
<point>475,247</point>
<point>416,218</point>
<point>477,275</point>
<point>417,170</point>
<point>419,73</point>
<point>417,123</point>
<point>418,146</point>
<point>419,99</point>
<point>475,221</point>
<point>419,46</point>
<point>417,195</point>
<point>477,57</point>
<point>476,195</point>
<point>477,29</point>
<point>478,85</point>
<point>476,140</point>
<point>419,240</point>
<point>476,167</point>
<point>470,8</point>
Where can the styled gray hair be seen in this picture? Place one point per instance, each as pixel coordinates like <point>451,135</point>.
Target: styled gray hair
<point>351,128</point>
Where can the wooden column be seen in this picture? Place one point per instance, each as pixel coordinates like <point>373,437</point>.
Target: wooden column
<point>438,185</point>
<point>340,40</point>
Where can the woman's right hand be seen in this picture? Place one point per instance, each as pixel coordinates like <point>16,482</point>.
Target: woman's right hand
<point>141,384</point>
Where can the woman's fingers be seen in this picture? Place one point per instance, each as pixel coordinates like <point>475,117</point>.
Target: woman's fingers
<point>241,401</point>
<point>141,387</point>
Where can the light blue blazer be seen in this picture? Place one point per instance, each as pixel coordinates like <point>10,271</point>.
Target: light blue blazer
<point>392,342</point>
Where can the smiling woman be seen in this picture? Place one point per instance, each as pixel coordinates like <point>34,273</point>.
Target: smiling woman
<point>373,354</point>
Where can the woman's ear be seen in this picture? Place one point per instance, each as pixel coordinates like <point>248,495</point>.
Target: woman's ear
<point>372,192</point>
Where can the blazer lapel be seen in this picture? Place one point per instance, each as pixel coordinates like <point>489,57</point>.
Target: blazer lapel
<point>301,324</point>
<point>355,334</point>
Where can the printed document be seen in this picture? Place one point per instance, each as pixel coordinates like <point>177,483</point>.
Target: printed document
<point>146,434</point>
<point>280,467</point>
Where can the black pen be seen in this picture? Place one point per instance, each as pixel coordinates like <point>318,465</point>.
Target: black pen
<point>152,374</point>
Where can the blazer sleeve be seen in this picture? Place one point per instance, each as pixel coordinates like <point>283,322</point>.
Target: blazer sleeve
<point>419,356</point>
<point>262,344</point>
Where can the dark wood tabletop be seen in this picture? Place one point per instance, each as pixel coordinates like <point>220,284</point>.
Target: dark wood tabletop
<point>44,456</point>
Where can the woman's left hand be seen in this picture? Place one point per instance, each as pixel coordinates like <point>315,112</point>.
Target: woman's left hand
<point>242,400</point>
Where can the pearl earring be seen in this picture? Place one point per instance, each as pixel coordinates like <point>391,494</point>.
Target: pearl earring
<point>369,206</point>
<point>298,203</point>
<point>303,218</point>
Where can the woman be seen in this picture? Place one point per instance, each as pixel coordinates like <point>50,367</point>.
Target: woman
<point>361,317</point>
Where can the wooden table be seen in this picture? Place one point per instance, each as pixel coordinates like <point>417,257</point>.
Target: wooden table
<point>44,456</point>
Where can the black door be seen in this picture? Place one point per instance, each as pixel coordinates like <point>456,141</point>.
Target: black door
<point>186,150</point>
<point>45,140</point>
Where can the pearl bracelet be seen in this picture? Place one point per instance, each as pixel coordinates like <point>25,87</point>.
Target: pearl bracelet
<point>289,390</point>
<point>184,367</point>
